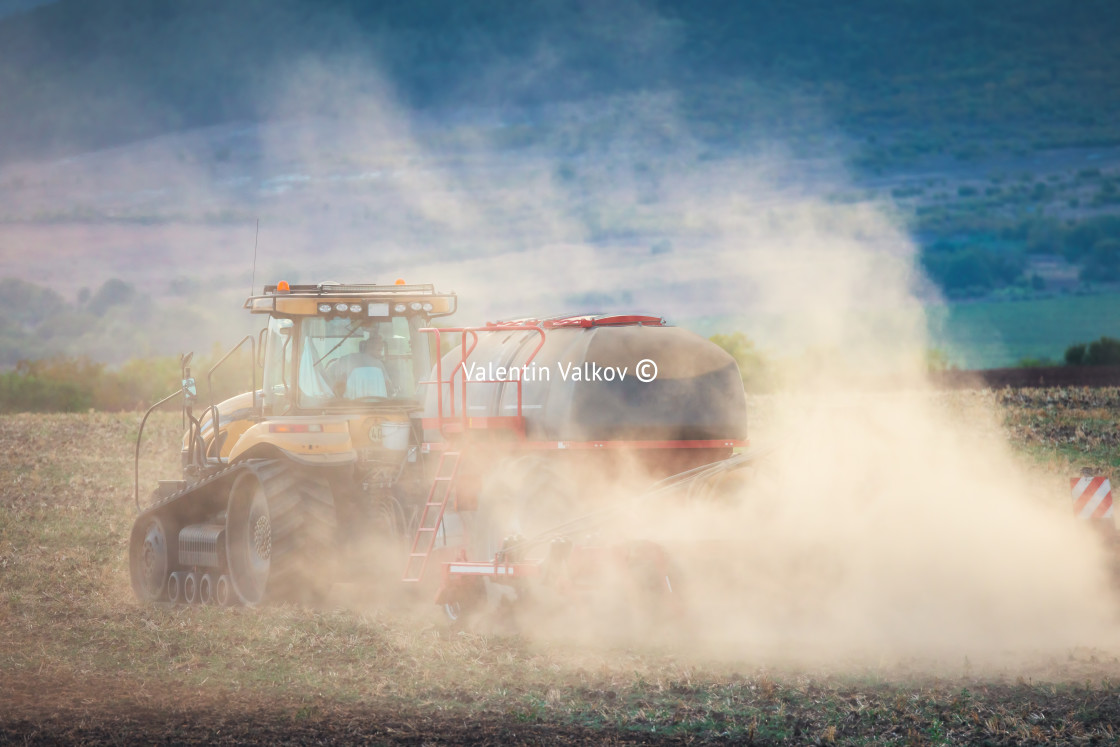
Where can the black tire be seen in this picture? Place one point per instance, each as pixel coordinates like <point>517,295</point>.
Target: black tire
<point>281,533</point>
<point>152,549</point>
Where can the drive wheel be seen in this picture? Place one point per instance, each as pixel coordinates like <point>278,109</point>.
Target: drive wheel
<point>149,558</point>
<point>280,533</point>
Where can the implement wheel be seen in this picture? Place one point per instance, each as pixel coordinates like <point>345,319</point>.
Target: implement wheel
<point>280,531</point>
<point>150,550</point>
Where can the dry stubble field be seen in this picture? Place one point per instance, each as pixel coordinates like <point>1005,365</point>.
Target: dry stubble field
<point>81,662</point>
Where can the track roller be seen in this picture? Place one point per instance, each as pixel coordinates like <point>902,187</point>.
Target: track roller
<point>190,588</point>
<point>175,587</point>
<point>223,595</point>
<point>205,589</point>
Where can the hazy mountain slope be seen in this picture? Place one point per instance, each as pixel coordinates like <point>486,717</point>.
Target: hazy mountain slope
<point>78,74</point>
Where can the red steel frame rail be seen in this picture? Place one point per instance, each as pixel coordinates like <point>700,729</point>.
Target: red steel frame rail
<point>461,369</point>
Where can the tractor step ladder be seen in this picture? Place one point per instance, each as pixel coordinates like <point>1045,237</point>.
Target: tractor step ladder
<point>432,516</point>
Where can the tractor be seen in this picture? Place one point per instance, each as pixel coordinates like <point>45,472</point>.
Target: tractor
<point>473,455</point>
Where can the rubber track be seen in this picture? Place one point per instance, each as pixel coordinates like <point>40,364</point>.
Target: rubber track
<point>302,516</point>
<point>197,502</point>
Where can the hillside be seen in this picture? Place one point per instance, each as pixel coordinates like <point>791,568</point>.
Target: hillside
<point>910,77</point>
<point>552,157</point>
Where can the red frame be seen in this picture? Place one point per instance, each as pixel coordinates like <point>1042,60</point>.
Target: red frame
<point>518,420</point>
<point>459,575</point>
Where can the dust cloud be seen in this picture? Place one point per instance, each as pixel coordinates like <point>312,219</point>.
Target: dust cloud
<point>881,525</point>
<point>884,525</point>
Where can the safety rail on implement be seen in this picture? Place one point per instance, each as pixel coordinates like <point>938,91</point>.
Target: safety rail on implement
<point>452,423</point>
<point>458,423</point>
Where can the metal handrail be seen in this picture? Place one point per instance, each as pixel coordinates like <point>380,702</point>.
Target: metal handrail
<point>460,367</point>
<point>139,436</point>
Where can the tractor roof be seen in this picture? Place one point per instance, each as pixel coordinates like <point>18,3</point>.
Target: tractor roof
<point>310,300</point>
<point>587,320</point>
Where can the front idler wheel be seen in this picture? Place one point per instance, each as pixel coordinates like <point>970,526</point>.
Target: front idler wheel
<point>149,558</point>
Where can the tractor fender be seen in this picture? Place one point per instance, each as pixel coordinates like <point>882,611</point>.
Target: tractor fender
<point>327,447</point>
<point>235,416</point>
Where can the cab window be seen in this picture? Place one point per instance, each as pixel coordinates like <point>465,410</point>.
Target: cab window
<point>343,361</point>
<point>277,357</point>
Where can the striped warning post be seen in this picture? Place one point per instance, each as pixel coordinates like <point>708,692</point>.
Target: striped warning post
<point>1092,497</point>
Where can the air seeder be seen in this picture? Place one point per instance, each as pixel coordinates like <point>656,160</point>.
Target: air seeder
<point>484,453</point>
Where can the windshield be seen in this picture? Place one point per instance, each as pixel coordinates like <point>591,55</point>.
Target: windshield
<point>343,361</point>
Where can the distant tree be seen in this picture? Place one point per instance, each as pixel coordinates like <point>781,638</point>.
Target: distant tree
<point>1103,262</point>
<point>1102,352</point>
<point>971,269</point>
<point>1043,236</point>
<point>28,303</point>
<point>937,360</point>
<point>753,366</point>
<point>51,385</point>
<point>1080,239</point>
<point>113,292</point>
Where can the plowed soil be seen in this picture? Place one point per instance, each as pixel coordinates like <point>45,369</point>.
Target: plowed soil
<point>82,663</point>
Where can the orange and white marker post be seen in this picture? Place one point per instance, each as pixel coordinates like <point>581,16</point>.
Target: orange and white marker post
<point>1092,497</point>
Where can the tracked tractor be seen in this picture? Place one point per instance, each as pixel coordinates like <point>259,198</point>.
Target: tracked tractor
<point>459,449</point>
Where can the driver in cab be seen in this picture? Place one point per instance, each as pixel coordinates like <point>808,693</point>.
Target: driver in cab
<point>362,374</point>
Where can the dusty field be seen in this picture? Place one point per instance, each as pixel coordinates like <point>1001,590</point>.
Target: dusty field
<point>80,662</point>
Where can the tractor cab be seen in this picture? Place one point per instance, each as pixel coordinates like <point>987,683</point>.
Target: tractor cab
<point>330,348</point>
<point>339,363</point>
